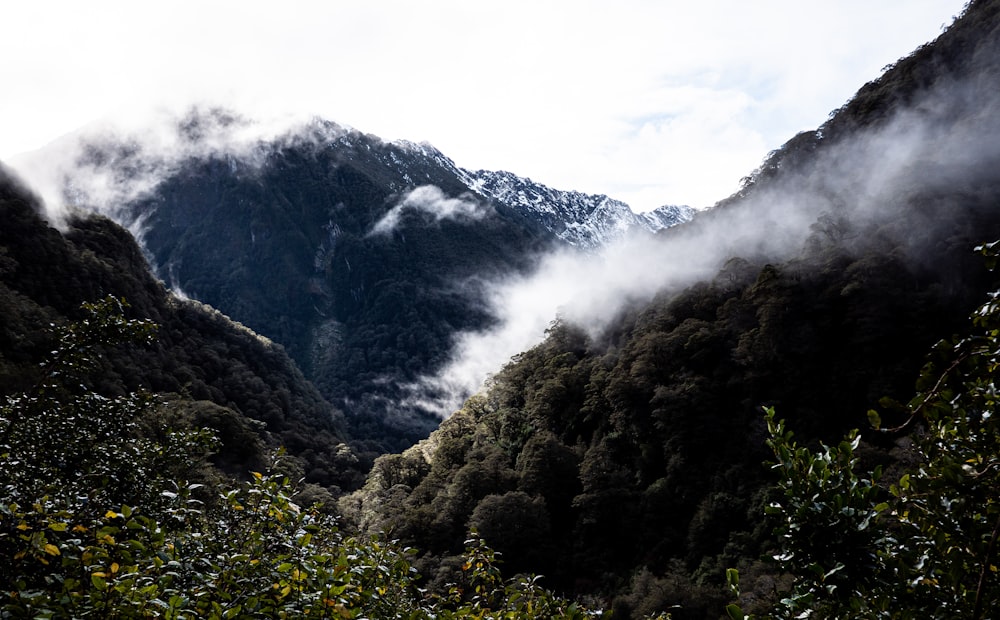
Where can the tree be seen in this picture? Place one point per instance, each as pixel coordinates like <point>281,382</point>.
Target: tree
<point>926,546</point>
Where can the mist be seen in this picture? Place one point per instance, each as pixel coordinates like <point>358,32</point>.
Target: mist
<point>108,164</point>
<point>948,140</point>
<point>431,200</point>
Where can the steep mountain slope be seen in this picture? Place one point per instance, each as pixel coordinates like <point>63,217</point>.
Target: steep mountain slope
<point>365,259</point>
<point>210,371</point>
<point>627,463</point>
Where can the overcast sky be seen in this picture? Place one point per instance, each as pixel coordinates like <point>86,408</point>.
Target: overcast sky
<point>651,102</point>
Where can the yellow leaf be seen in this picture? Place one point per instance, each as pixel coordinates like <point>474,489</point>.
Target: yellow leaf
<point>258,475</point>
<point>79,528</point>
<point>114,567</point>
<point>22,526</point>
<point>111,514</point>
<point>51,549</point>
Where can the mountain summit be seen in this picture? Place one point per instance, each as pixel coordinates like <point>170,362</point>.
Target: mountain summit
<point>582,220</point>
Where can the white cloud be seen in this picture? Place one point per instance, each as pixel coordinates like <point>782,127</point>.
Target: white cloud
<point>148,146</point>
<point>430,199</point>
<point>576,95</point>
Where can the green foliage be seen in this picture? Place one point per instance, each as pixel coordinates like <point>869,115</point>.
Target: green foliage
<point>256,555</point>
<point>926,547</point>
<point>63,438</point>
<point>827,533</point>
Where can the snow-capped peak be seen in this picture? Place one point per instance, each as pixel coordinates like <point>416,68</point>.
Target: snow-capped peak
<point>587,221</point>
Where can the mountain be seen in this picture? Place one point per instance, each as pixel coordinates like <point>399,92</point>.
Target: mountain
<point>206,370</point>
<point>582,220</point>
<point>586,221</point>
<point>364,259</point>
<point>627,462</point>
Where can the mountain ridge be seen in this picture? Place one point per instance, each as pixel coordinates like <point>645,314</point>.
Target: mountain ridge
<point>588,221</point>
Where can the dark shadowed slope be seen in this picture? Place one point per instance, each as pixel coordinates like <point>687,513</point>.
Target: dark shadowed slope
<point>217,373</point>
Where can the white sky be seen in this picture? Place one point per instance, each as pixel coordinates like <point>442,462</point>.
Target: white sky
<point>651,102</point>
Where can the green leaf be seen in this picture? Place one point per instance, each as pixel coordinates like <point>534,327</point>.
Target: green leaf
<point>733,577</point>
<point>874,419</point>
<point>100,584</point>
<point>734,612</point>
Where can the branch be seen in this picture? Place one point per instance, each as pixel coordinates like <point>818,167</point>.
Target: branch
<point>977,611</point>
<point>933,393</point>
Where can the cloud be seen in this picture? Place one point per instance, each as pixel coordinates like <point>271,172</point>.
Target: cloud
<point>431,200</point>
<point>948,141</point>
<point>107,164</point>
<point>582,81</point>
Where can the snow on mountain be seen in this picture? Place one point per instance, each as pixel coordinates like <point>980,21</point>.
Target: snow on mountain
<point>587,221</point>
<point>665,217</point>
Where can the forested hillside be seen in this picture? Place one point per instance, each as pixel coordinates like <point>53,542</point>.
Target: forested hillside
<point>211,372</point>
<point>630,463</point>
